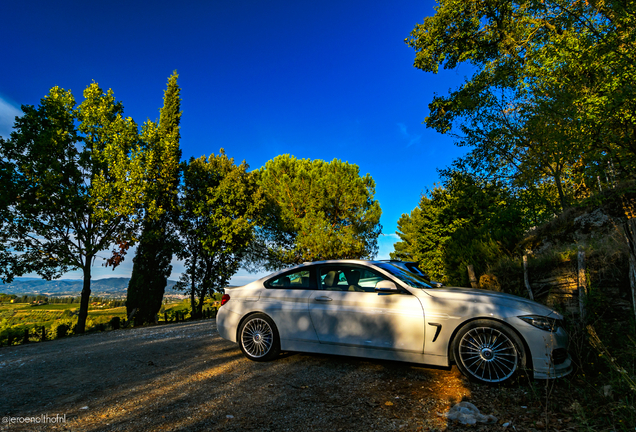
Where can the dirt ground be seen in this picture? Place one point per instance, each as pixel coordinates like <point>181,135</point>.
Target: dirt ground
<point>184,377</point>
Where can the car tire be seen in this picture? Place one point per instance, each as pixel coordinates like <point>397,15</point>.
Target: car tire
<point>258,338</point>
<point>489,352</point>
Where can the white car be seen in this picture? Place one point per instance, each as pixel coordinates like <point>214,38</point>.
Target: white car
<point>383,310</point>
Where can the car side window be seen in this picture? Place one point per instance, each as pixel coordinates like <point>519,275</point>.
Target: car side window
<point>348,278</point>
<point>301,279</point>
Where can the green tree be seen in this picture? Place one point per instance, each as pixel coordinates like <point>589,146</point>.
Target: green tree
<point>566,72</point>
<point>315,210</point>
<point>465,222</point>
<point>422,235</point>
<point>218,208</point>
<point>158,241</point>
<point>69,192</point>
<point>511,144</point>
<point>551,99</point>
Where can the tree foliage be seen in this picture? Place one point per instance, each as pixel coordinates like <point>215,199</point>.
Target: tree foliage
<point>73,185</point>
<point>548,112</point>
<point>550,105</point>
<point>423,237</point>
<point>315,210</point>
<point>158,241</point>
<point>217,213</point>
<point>464,222</point>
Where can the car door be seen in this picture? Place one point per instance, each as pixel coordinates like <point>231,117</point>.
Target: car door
<point>346,310</point>
<point>285,301</point>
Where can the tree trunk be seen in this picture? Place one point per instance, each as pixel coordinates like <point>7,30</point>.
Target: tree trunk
<point>582,285</point>
<point>201,301</point>
<point>472,277</point>
<point>526,279</point>
<point>629,229</point>
<point>193,300</point>
<point>557,181</point>
<point>632,279</point>
<point>86,295</point>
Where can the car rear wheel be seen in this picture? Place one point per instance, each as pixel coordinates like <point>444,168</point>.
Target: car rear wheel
<point>489,352</point>
<point>258,338</point>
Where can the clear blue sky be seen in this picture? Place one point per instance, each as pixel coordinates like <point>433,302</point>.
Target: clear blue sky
<point>318,80</point>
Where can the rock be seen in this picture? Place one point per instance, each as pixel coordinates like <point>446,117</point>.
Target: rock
<point>607,391</point>
<point>468,414</point>
<point>596,219</point>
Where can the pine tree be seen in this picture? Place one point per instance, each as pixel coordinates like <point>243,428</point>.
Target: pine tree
<point>151,265</point>
<point>315,210</point>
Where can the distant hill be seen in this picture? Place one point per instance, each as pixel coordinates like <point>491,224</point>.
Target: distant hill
<point>108,287</point>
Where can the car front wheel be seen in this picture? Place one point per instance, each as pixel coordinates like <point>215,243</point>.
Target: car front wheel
<point>489,352</point>
<point>258,338</point>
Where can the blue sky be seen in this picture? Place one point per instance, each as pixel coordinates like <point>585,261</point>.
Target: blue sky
<point>318,80</point>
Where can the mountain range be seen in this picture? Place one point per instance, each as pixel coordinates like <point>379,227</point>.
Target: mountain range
<point>107,287</point>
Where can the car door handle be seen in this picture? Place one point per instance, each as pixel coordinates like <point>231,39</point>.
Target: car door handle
<point>323,298</point>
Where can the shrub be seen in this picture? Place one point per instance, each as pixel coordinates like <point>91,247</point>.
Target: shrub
<point>508,273</point>
<point>61,330</point>
<point>115,323</point>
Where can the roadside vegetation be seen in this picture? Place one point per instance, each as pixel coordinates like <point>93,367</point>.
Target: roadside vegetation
<point>28,319</point>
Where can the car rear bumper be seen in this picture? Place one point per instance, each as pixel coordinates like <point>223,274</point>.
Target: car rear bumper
<point>227,323</point>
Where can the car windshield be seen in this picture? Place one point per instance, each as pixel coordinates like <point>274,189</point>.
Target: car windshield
<point>409,278</point>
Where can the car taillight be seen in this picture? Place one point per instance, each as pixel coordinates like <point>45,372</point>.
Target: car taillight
<point>225,299</point>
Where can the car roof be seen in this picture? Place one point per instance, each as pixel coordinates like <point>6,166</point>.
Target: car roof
<point>341,261</point>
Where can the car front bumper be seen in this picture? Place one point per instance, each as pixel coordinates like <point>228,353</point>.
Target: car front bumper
<point>548,350</point>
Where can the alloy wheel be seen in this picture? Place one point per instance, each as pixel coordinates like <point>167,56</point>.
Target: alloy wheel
<point>257,337</point>
<point>488,354</point>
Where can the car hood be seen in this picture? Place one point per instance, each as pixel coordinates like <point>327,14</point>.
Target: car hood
<point>494,298</point>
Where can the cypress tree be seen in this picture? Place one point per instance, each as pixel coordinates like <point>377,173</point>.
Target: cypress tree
<point>151,265</point>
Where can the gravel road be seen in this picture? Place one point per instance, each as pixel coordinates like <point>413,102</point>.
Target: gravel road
<point>184,377</point>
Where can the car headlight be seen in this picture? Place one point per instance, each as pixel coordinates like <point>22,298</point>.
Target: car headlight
<point>542,322</point>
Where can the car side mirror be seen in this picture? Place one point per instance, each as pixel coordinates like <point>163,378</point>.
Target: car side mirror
<point>386,286</point>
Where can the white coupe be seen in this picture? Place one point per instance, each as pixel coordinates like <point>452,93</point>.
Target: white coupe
<point>390,310</point>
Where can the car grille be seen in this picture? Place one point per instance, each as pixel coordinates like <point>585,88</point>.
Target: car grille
<point>559,355</point>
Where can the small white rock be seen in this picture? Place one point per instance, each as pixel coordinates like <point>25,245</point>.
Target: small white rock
<point>607,391</point>
<point>230,416</point>
<point>84,407</point>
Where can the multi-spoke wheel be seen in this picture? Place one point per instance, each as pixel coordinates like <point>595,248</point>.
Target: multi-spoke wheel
<point>488,352</point>
<point>258,338</point>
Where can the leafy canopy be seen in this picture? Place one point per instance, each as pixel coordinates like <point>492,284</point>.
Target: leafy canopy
<point>549,107</point>
<point>315,210</point>
<point>464,222</point>
<point>218,209</point>
<point>73,184</point>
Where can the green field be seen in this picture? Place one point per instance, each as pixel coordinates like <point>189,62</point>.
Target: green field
<point>55,306</point>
